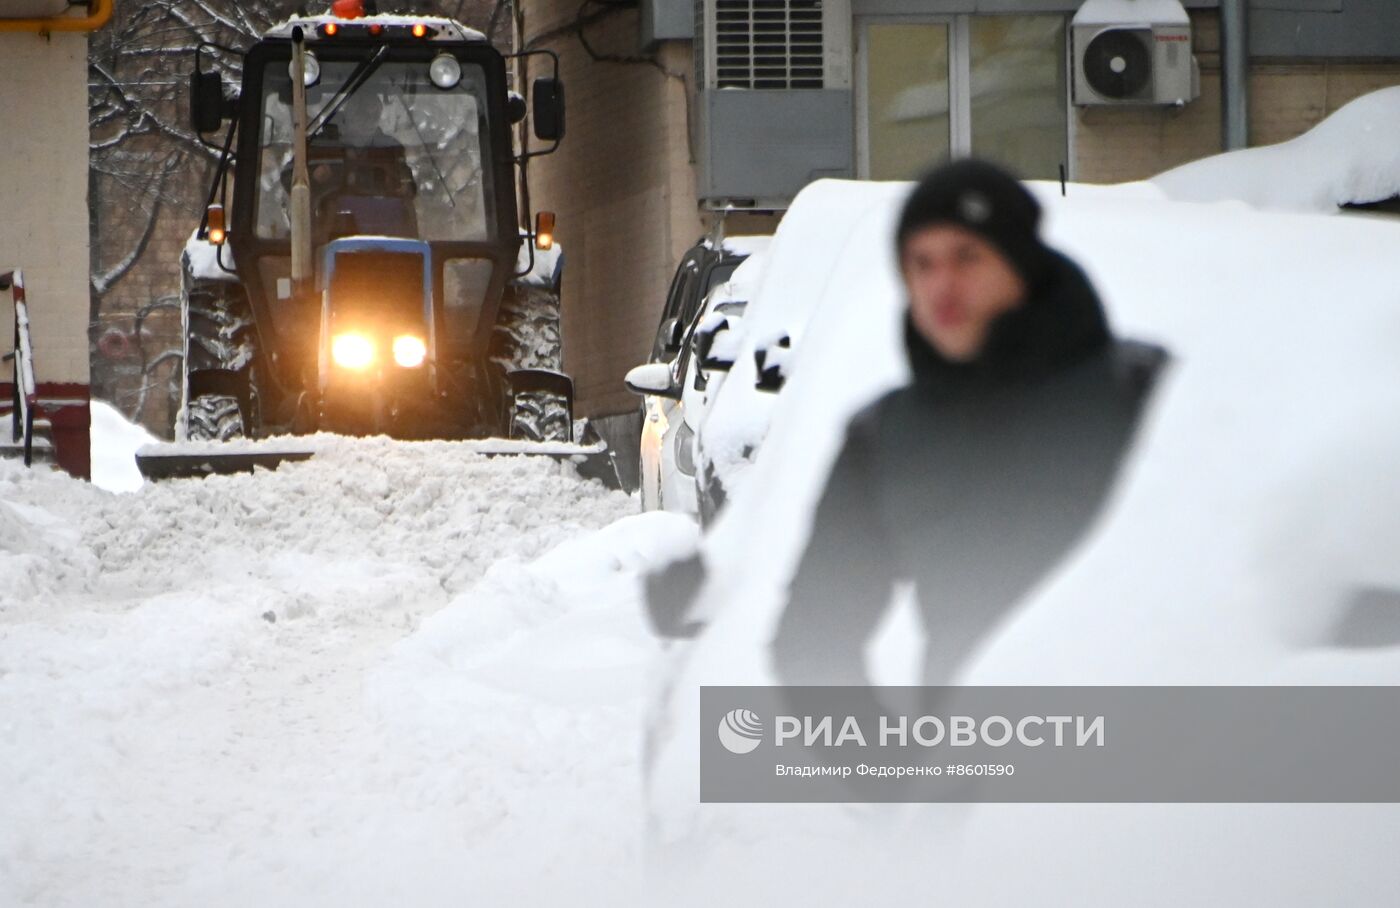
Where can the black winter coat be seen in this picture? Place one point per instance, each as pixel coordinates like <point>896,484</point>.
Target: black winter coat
<point>973,481</point>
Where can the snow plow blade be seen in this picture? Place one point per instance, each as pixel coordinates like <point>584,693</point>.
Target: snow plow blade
<point>156,465</point>
<point>195,460</point>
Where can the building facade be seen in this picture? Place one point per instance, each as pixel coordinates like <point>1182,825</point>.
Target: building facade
<point>681,108</point>
<point>44,230</point>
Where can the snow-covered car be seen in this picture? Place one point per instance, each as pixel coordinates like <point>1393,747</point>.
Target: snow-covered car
<point>1349,161</point>
<point>666,452</point>
<point>1257,508</point>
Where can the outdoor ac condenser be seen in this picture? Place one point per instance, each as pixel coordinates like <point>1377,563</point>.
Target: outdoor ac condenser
<point>1133,52</point>
<point>774,99</point>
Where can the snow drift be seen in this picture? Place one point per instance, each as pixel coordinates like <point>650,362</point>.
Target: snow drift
<point>1259,499</point>
<point>1352,157</point>
<point>349,681</point>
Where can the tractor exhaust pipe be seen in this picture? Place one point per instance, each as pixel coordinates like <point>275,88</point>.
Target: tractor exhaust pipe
<point>299,213</point>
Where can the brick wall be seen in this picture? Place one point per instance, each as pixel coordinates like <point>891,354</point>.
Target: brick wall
<point>623,186</point>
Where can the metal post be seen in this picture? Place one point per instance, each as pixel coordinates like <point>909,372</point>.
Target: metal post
<point>299,215</point>
<point>1234,73</point>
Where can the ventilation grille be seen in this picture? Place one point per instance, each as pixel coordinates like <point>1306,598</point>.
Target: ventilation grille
<point>768,44</point>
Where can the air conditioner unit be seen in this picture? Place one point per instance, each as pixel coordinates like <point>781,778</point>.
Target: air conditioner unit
<point>775,101</point>
<point>1133,52</point>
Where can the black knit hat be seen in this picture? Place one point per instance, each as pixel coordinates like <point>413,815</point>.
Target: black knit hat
<point>985,199</point>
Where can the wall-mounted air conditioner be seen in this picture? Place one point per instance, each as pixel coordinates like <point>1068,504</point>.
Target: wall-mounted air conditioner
<point>775,101</point>
<point>1133,52</point>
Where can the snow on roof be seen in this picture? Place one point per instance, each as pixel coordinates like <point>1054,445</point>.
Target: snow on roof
<point>1353,156</point>
<point>456,31</point>
<point>746,245</point>
<point>1132,12</point>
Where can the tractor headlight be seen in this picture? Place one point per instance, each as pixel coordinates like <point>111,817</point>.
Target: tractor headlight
<point>312,72</point>
<point>445,71</point>
<point>409,351</point>
<point>352,351</point>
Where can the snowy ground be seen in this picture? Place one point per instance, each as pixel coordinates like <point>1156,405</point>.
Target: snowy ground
<point>396,673</point>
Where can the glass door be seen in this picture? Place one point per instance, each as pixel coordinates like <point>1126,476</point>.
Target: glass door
<point>1019,97</point>
<point>904,107</point>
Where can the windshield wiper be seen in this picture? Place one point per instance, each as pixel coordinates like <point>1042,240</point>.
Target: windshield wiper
<point>357,77</point>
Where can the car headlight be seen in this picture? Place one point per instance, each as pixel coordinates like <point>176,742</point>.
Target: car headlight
<point>409,351</point>
<point>445,71</point>
<point>352,351</point>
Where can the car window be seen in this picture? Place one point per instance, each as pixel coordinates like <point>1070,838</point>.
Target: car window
<point>717,275</point>
<point>682,289</point>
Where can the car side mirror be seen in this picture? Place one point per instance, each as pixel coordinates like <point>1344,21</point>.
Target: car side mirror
<point>652,378</point>
<point>548,98</point>
<point>771,360</point>
<point>715,339</point>
<point>672,332</point>
<point>207,105</point>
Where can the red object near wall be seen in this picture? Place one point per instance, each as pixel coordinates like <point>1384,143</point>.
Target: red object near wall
<point>68,408</point>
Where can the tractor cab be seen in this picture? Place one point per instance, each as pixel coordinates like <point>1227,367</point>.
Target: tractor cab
<point>364,213</point>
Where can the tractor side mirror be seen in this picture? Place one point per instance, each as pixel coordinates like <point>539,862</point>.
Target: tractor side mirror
<point>206,101</point>
<point>548,98</point>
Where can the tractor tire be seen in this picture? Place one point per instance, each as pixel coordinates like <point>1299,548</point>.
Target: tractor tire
<point>527,333</point>
<point>213,417</point>
<point>221,350</point>
<point>540,416</point>
<point>527,336</point>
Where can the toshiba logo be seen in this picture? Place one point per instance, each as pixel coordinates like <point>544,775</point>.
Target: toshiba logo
<point>1178,38</point>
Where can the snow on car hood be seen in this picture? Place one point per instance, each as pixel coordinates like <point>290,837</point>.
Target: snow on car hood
<point>1353,156</point>
<point>1260,495</point>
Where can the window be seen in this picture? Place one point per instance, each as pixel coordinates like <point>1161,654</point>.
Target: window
<point>930,87</point>
<point>398,155</point>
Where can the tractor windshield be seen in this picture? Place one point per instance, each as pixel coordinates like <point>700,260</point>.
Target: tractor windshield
<point>397,156</point>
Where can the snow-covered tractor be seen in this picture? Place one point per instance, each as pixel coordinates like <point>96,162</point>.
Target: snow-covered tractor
<point>361,266</point>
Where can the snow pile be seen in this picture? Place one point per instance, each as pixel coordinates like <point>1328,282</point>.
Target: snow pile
<point>746,245</point>
<point>1260,498</point>
<point>1353,156</point>
<point>113,445</point>
<point>184,673</point>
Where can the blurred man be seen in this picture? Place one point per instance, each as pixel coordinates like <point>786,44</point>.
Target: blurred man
<point>975,479</point>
